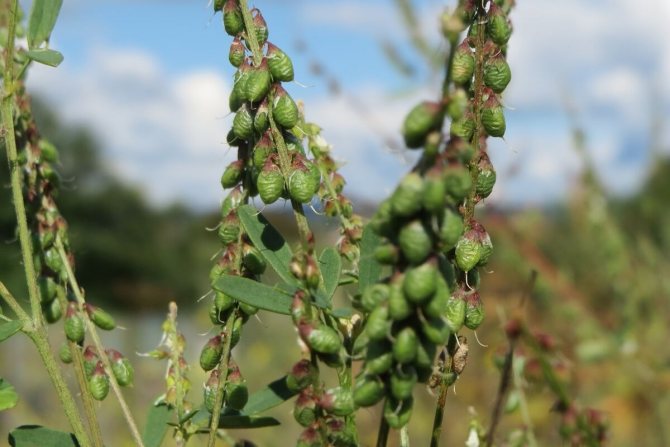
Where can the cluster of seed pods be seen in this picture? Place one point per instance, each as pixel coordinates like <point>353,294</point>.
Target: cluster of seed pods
<point>49,228</point>
<point>431,240</point>
<point>96,376</point>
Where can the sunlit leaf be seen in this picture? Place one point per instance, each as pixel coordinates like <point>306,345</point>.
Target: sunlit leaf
<point>46,56</point>
<point>43,17</point>
<point>255,293</point>
<point>330,263</point>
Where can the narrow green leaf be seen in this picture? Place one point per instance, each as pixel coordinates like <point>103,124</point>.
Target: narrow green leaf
<point>368,269</point>
<point>8,396</point>
<point>46,56</point>
<point>342,312</point>
<point>243,421</point>
<point>9,328</point>
<point>255,293</point>
<point>36,436</point>
<point>43,17</point>
<point>272,395</point>
<point>157,425</point>
<point>331,264</point>
<point>267,239</point>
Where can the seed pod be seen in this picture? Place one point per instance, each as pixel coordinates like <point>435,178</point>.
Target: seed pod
<point>463,65</point>
<point>321,338</point>
<point>100,318</point>
<point>382,221</point>
<point>52,311</point>
<point>399,307</point>
<point>232,174</point>
<point>304,410</point>
<point>65,353</point>
<point>335,360</point>
<point>425,353</point>
<point>338,401</point>
<point>497,73</point>
<point>98,384</point>
<point>374,296</point>
<point>211,353</point>
<point>451,229</point>
<point>253,260</point>
<point>458,181</point>
<point>339,433</point>
<point>232,18</point>
<point>422,119</point>
<point>310,437</point>
<point>437,306</point>
<point>420,282</point>
<point>498,26</point>
<point>493,117</point>
<point>229,231</point>
<point>258,82</point>
<point>90,361</point>
<point>210,389</point>
<point>247,309</point>
<point>405,345</point>
<point>243,123</point>
<point>260,28</point>
<point>474,312</point>
<point>463,127</point>
<point>415,242</point>
<point>455,312</point>
<point>458,104</point>
<point>402,381</point>
<point>262,150</point>
<point>435,330</point>
<point>434,191</point>
<point>368,390</point>
<point>74,324</point>
<point>284,109</point>
<point>407,197</point>
<point>386,254</point>
<point>236,332</point>
<point>378,324</point>
<point>486,177</point>
<point>223,302</point>
<point>379,357</point>
<point>48,151</point>
<point>48,289</point>
<point>302,184</point>
<point>121,367</point>
<point>238,92</point>
<point>398,413</point>
<point>301,376</point>
<point>280,64</point>
<point>53,260</point>
<point>236,53</point>
<point>468,251</point>
<point>237,393</point>
<point>473,33</point>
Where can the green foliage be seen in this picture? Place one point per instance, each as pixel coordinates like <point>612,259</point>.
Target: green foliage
<point>9,328</point>
<point>8,396</point>
<point>36,436</point>
<point>157,425</point>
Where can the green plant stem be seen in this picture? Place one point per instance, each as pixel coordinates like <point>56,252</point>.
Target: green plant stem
<point>99,346</point>
<point>404,436</point>
<point>439,413</point>
<point>383,433</point>
<point>250,34</point>
<point>505,377</point>
<point>14,305</point>
<point>223,376</point>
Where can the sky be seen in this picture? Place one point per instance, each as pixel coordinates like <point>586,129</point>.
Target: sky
<point>151,79</point>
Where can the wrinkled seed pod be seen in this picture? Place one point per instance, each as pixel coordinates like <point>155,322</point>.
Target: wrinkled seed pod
<point>123,371</point>
<point>458,104</point>
<point>379,357</point>
<point>368,390</point>
<point>497,73</point>
<point>232,174</point>
<point>463,127</point>
<point>304,410</point>
<point>209,390</point>
<point>378,324</point>
<point>98,384</point>
<point>260,28</point>
<point>486,178</point>
<point>422,119</point>
<point>48,289</point>
<point>64,353</point>
<point>420,282</point>
<point>486,249</point>
<point>243,123</point>
<point>375,295</point>
<point>398,413</point>
<point>338,401</point>
<point>279,63</point>
<point>223,302</point>
<point>458,181</point>
<point>229,231</point>
<point>399,307</point>
<point>435,330</point>
<point>405,345</point>
<point>451,229</point>
<point>237,394</point>
<point>236,53</point>
<point>493,117</point>
<point>233,22</point>
<point>74,324</point>
<point>415,242</point>
<point>258,82</point>
<point>455,313</point>
<point>402,382</point>
<point>52,311</point>
<point>211,353</point>
<point>386,254</point>
<point>302,185</point>
<point>301,376</point>
<point>498,26</point>
<point>407,197</point>
<point>310,437</point>
<point>468,251</point>
<point>463,65</point>
<point>100,318</point>
<point>262,150</point>
<point>248,309</point>
<point>284,109</point>
<point>322,339</point>
<point>434,191</point>
<point>474,314</point>
<point>253,260</point>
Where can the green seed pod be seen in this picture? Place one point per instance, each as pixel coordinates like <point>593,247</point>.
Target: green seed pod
<point>229,231</point>
<point>48,151</point>
<point>284,109</point>
<point>253,260</point>
<point>407,197</point>
<point>434,191</point>
<point>232,18</point>
<point>378,325</point>
<point>435,330</point>
<point>468,251</point>
<point>260,28</point>
<point>258,82</point>
<point>420,121</point>
<point>247,309</point>
<point>486,249</point>
<point>236,53</point>
<point>420,282</point>
<point>473,33</point>
<point>463,65</point>
<point>402,381</point>
<point>374,296</point>
<point>333,360</point>
<point>301,376</point>
<point>451,229</point>
<point>124,372</point>
<point>302,184</point>
<point>243,123</point>
<point>498,26</point>
<point>382,221</point>
<point>236,332</point>
<point>437,306</point>
<point>48,289</point>
<point>425,353</point>
<point>415,242</point>
<point>455,313</point>
<point>74,324</point>
<point>405,345</point>
<point>218,5</point>
<point>368,390</point>
<point>340,433</point>
<point>52,311</point>
<point>386,254</point>
<point>474,312</point>
<point>262,150</point>
<point>223,302</point>
<point>379,357</point>
<point>98,384</point>
<point>497,73</point>
<point>338,401</point>
<point>398,413</point>
<point>493,117</point>
<point>280,64</point>
<point>211,353</point>
<point>399,307</point>
<point>459,182</point>
<point>294,144</point>
<point>458,104</point>
<point>100,318</point>
<point>304,410</point>
<point>486,177</point>
<point>232,174</point>
<point>310,437</point>
<point>463,127</point>
<point>90,361</point>
<point>210,389</point>
<point>53,260</point>
<point>321,339</point>
<point>237,393</point>
<point>237,94</point>
<point>65,353</point>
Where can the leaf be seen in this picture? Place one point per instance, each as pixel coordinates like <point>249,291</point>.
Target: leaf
<point>331,264</point>
<point>255,293</point>
<point>368,269</point>
<point>272,395</point>
<point>43,17</point>
<point>342,312</point>
<point>9,328</point>
<point>36,436</point>
<point>267,239</point>
<point>46,56</point>
<point>8,396</point>
<point>157,425</point>
<point>244,421</point>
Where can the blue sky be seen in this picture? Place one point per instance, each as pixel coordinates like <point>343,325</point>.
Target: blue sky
<point>151,78</point>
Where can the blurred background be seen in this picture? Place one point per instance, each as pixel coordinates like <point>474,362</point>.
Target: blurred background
<point>139,111</point>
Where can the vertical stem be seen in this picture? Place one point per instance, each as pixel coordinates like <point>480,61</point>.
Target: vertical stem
<point>223,376</point>
<point>439,414</point>
<point>383,433</point>
<point>505,377</point>
<point>250,34</point>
